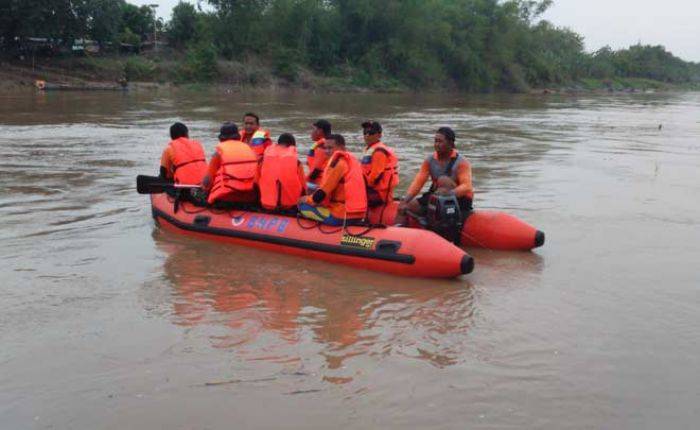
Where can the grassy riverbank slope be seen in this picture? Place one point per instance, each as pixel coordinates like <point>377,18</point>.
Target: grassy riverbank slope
<point>158,71</point>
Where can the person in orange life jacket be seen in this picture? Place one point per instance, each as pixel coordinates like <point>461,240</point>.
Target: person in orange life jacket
<point>450,173</point>
<point>257,138</point>
<point>281,177</point>
<point>379,166</point>
<point>183,160</point>
<point>341,198</point>
<point>316,158</point>
<point>232,170</point>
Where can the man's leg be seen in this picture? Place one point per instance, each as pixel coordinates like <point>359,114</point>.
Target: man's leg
<point>319,213</point>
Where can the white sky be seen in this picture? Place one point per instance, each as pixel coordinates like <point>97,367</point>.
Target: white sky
<point>621,23</point>
<point>618,23</point>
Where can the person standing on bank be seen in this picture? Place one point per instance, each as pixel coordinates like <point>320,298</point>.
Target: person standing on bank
<point>449,172</point>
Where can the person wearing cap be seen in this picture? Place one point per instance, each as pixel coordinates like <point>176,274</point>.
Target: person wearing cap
<point>282,179</point>
<point>341,198</point>
<point>232,170</point>
<point>449,172</point>
<point>380,166</point>
<point>255,136</point>
<point>183,160</point>
<point>316,158</point>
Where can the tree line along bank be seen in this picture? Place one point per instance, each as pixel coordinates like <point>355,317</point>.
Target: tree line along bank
<point>468,45</point>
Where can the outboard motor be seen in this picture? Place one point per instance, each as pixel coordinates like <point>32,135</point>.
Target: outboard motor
<point>445,217</point>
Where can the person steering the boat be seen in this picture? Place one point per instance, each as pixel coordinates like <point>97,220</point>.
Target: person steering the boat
<point>282,179</point>
<point>341,198</point>
<point>256,137</point>
<point>183,160</point>
<point>450,174</point>
<point>232,170</point>
<point>316,158</point>
<point>380,166</point>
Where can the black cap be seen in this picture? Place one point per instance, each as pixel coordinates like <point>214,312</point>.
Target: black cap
<point>372,127</point>
<point>229,130</point>
<point>323,125</point>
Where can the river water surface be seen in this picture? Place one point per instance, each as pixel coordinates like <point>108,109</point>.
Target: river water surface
<point>107,322</point>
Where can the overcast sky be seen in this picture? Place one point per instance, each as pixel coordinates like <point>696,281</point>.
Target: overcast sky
<point>618,23</point>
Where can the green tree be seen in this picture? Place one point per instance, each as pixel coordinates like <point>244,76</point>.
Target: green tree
<point>183,23</point>
<point>137,19</point>
<point>200,63</point>
<point>105,18</point>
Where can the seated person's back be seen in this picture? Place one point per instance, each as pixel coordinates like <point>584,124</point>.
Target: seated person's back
<point>183,160</point>
<point>232,170</point>
<point>282,179</point>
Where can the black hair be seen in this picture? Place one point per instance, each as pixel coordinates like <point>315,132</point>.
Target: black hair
<point>229,130</point>
<point>257,118</point>
<point>324,126</point>
<point>338,138</point>
<point>286,139</point>
<point>448,133</point>
<point>178,130</point>
<point>372,127</point>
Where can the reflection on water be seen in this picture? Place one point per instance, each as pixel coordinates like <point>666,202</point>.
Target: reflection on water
<point>273,317</point>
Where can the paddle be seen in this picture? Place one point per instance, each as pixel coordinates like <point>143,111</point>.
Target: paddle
<point>156,184</point>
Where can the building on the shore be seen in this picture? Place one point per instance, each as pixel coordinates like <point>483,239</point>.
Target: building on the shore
<point>85,47</point>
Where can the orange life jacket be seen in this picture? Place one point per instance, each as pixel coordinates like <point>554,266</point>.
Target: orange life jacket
<point>355,194</point>
<point>258,141</point>
<point>389,179</point>
<point>317,151</point>
<point>189,162</point>
<point>316,157</point>
<point>237,171</point>
<point>280,185</point>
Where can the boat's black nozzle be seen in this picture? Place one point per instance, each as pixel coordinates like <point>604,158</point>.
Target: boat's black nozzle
<point>467,265</point>
<point>539,239</point>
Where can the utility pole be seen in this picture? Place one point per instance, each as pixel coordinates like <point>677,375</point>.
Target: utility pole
<point>155,30</point>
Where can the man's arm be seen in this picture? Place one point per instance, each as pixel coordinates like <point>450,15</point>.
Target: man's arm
<point>334,174</point>
<point>464,180</point>
<point>166,163</point>
<point>214,165</point>
<point>418,181</point>
<point>319,163</point>
<point>302,177</point>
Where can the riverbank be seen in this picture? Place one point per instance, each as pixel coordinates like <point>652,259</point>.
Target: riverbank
<point>162,72</point>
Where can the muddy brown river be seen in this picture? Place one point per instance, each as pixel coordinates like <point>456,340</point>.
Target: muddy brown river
<point>107,322</point>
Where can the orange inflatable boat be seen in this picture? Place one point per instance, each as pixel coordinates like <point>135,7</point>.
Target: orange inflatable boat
<point>482,229</point>
<point>395,250</point>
